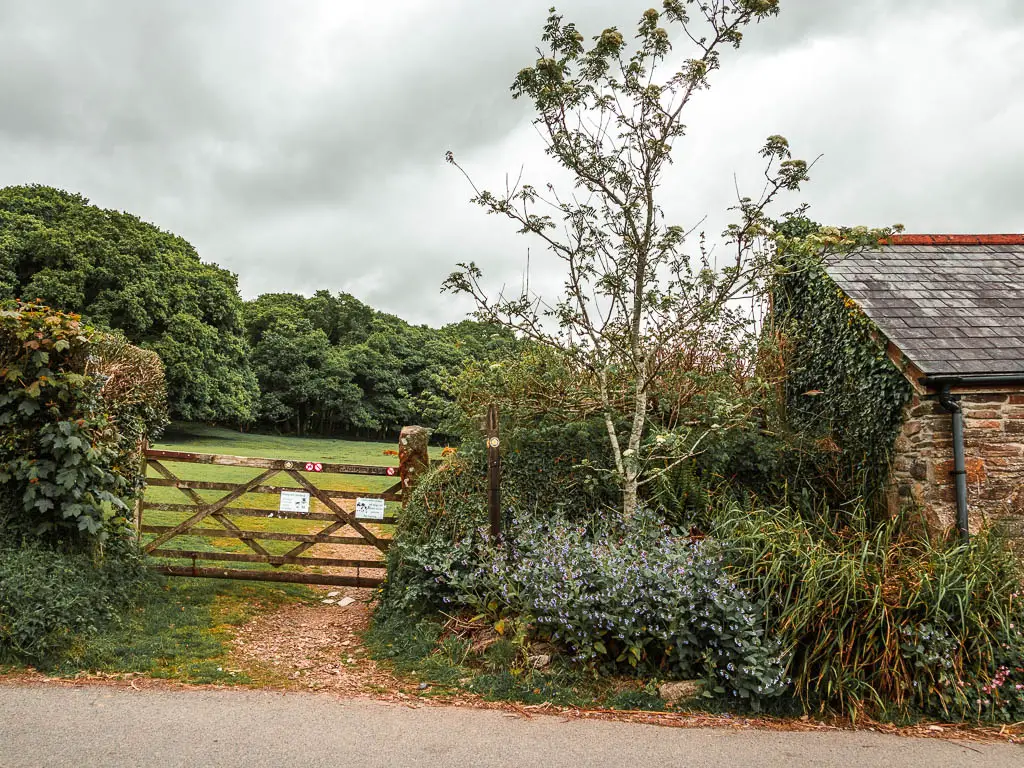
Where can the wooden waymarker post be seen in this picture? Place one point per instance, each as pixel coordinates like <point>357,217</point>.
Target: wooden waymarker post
<point>493,472</point>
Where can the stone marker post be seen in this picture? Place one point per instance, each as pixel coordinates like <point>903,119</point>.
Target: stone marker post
<point>413,460</point>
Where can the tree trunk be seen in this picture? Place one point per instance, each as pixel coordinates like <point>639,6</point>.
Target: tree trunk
<point>631,456</point>
<point>630,494</point>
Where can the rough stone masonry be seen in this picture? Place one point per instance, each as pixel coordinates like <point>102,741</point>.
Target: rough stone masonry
<point>994,453</point>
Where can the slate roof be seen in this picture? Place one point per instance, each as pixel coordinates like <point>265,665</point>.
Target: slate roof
<point>953,304</point>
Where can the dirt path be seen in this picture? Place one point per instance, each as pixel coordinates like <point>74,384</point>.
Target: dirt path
<point>315,647</point>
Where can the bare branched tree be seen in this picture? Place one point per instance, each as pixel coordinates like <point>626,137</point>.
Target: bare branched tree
<point>610,115</point>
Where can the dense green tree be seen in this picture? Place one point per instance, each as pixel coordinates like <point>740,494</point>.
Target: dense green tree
<point>122,273</point>
<point>321,364</point>
<point>331,363</point>
<point>305,383</point>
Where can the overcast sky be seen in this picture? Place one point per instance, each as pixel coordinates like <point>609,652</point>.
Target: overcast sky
<point>301,144</point>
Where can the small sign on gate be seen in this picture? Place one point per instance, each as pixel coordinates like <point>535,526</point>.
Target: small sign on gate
<point>294,501</point>
<point>369,509</point>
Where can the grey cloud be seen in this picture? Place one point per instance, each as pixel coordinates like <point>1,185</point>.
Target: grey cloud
<point>105,74</point>
<point>300,144</point>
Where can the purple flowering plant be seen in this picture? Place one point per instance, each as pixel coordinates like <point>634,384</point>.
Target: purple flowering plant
<point>619,597</point>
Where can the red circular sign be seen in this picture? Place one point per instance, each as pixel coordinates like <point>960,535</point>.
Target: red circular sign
<point>309,467</point>
<point>391,471</point>
<point>318,467</point>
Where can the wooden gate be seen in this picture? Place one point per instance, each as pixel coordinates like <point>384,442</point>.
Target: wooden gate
<point>203,523</point>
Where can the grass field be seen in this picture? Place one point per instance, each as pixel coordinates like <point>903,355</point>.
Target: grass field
<point>204,439</point>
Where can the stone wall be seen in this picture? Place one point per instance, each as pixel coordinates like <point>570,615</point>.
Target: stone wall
<point>994,457</point>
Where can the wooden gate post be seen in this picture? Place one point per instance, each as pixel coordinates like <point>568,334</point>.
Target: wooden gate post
<point>413,460</point>
<point>143,447</point>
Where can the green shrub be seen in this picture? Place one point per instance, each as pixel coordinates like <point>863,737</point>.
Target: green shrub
<point>445,508</point>
<point>999,695</point>
<point>133,392</point>
<point>73,407</point>
<point>877,617</point>
<point>626,597</point>
<point>50,598</point>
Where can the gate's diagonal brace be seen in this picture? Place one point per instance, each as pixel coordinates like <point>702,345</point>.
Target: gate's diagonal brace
<point>220,517</point>
<point>344,518</point>
<point>320,535</point>
<point>211,509</point>
<point>396,488</point>
<point>254,545</point>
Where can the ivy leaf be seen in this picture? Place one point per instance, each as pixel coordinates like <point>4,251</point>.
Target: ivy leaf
<point>28,407</point>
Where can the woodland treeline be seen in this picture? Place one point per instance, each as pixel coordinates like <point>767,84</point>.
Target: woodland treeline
<point>326,364</point>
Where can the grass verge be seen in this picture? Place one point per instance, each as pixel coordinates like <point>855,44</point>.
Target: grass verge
<point>181,630</point>
<point>445,664</point>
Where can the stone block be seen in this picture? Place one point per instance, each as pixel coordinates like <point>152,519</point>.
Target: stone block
<point>681,691</point>
<point>926,408</point>
<point>972,399</point>
<point>975,470</point>
<point>1009,450</point>
<point>412,457</point>
<point>1000,462</point>
<point>993,425</point>
<point>982,414</point>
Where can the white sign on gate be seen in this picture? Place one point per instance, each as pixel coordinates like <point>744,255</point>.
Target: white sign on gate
<point>370,509</point>
<point>294,501</point>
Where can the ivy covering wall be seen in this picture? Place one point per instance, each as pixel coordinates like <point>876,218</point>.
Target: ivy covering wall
<point>841,387</point>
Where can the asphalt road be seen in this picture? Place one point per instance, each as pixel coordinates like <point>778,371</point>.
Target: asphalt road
<point>96,726</point>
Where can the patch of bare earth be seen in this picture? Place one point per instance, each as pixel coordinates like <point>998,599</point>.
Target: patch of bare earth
<point>314,646</point>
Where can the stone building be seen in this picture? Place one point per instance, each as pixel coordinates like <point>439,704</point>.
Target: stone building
<point>952,310</point>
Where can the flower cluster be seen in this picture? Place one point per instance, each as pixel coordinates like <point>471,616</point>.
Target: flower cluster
<point>940,687</point>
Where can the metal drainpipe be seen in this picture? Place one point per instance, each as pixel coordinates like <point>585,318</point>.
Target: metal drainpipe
<point>959,467</point>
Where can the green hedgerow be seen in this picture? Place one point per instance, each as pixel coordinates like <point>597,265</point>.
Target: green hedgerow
<point>74,406</point>
<point>51,597</point>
